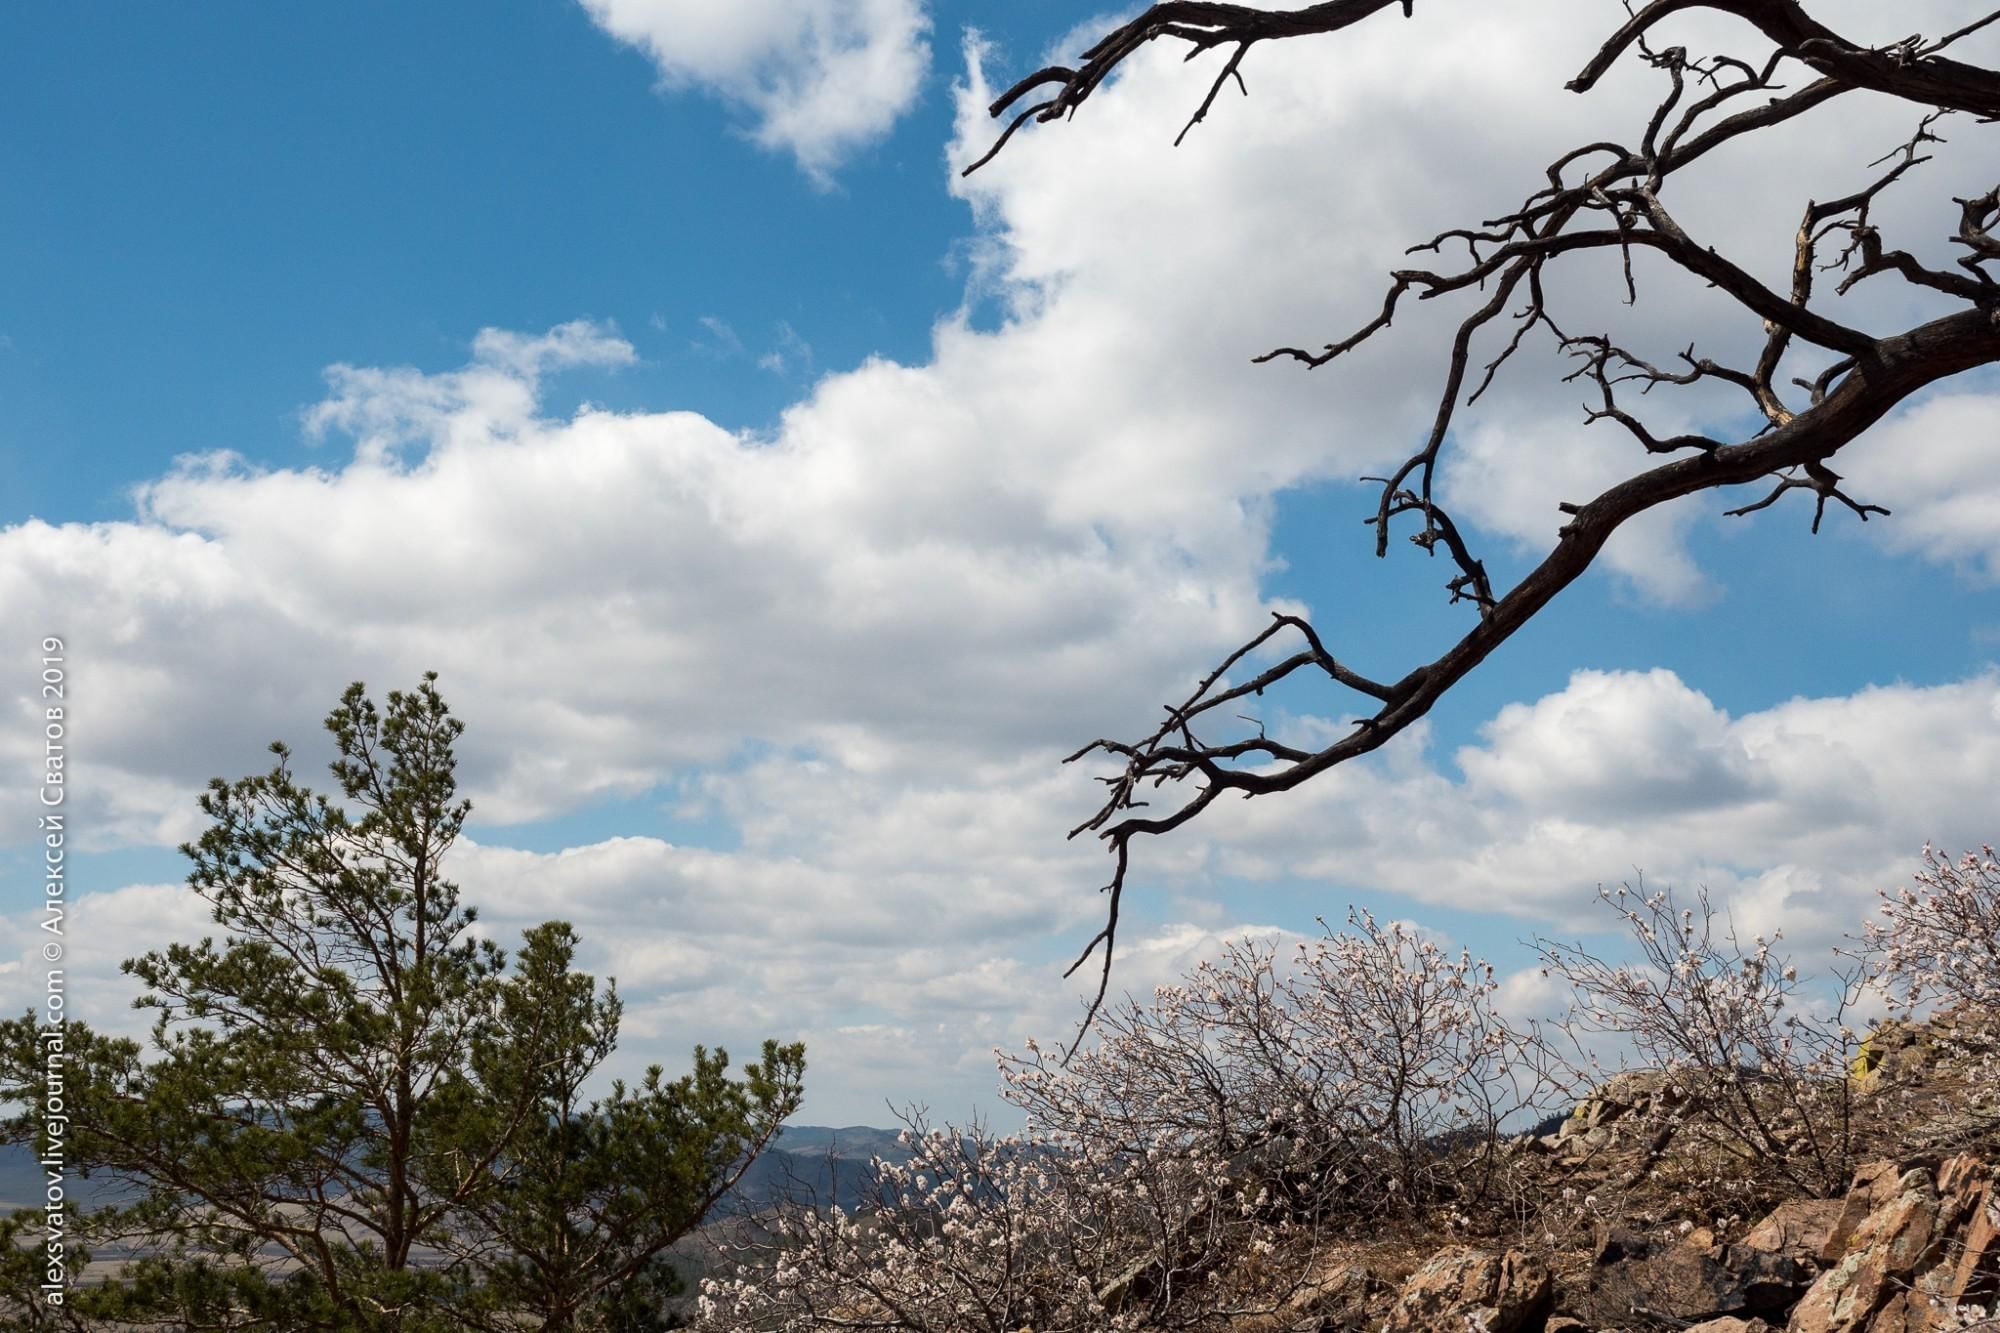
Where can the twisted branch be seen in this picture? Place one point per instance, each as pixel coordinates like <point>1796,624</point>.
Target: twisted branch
<point>1603,195</point>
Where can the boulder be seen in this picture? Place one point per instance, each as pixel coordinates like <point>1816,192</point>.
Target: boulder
<point>1808,1229</point>
<point>1976,1273</point>
<point>1598,1120</point>
<point>1881,1258</point>
<point>1507,1293</point>
<point>1874,1184</point>
<point>1650,1282</point>
<point>1916,1256</point>
<point>1896,1049</point>
<point>1336,1293</point>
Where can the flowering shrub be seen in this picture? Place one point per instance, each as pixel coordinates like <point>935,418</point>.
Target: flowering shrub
<point>1751,1080</point>
<point>1939,942</point>
<point>1941,939</point>
<point>974,1231</point>
<point>1185,1169</point>
<point>1360,1079</point>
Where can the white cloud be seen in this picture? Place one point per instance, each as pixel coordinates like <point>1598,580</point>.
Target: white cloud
<point>386,409</point>
<point>1023,541</point>
<point>904,929</point>
<point>1643,740</point>
<point>1497,475</point>
<point>1280,216</point>
<point>1932,467</point>
<point>1794,814</point>
<point>613,597</point>
<point>101,930</point>
<point>820,78</point>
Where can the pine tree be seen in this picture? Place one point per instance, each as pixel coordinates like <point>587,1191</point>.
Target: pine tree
<point>352,1113</point>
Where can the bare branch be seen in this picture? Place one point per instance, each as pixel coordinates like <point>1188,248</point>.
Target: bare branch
<point>1823,483</point>
<point>1605,194</point>
<point>1204,26</point>
<point>1921,77</point>
<point>1862,395</point>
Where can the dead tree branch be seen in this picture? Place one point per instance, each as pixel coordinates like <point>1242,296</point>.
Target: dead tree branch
<point>1605,195</point>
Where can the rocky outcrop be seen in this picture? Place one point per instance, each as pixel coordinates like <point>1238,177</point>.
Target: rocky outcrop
<point>1909,1248</point>
<point>1599,1120</point>
<point>1461,1288</point>
<point>1812,1230</point>
<point>1339,1294</point>
<point>1636,1281</point>
<point>1928,1248</point>
<point>1911,1052</point>
<point>1912,1245</point>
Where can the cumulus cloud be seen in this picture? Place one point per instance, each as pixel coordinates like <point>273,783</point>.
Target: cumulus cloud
<point>1793,814</point>
<point>1349,150</point>
<point>612,597</point>
<point>988,554</point>
<point>1497,475</point>
<point>1932,467</point>
<point>384,409</point>
<point>819,78</point>
<point>904,931</point>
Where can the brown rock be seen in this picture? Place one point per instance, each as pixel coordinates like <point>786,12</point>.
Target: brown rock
<point>1508,1292</point>
<point>1842,1299</point>
<point>1976,1275</point>
<point>1802,1228</point>
<point>1635,1278</point>
<point>1729,1323</point>
<point>1959,1174</point>
<point>1526,1290</point>
<point>1874,1184</point>
<point>1900,1230</point>
<point>1335,1294</point>
<point>1866,1289</point>
<point>1911,1312</point>
<point>1970,1212</point>
<point>1893,1052</point>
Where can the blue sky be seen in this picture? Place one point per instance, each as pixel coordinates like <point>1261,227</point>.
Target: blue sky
<point>779,508</point>
<point>213,206</point>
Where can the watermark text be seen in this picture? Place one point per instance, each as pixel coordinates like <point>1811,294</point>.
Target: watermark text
<point>49,1034</point>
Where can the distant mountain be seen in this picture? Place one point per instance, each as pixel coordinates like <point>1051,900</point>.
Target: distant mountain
<point>24,1184</point>
<point>816,1164</point>
<point>857,1141</point>
<point>810,1162</point>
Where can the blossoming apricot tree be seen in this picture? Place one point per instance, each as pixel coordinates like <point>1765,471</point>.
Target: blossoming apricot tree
<point>1186,1167</point>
